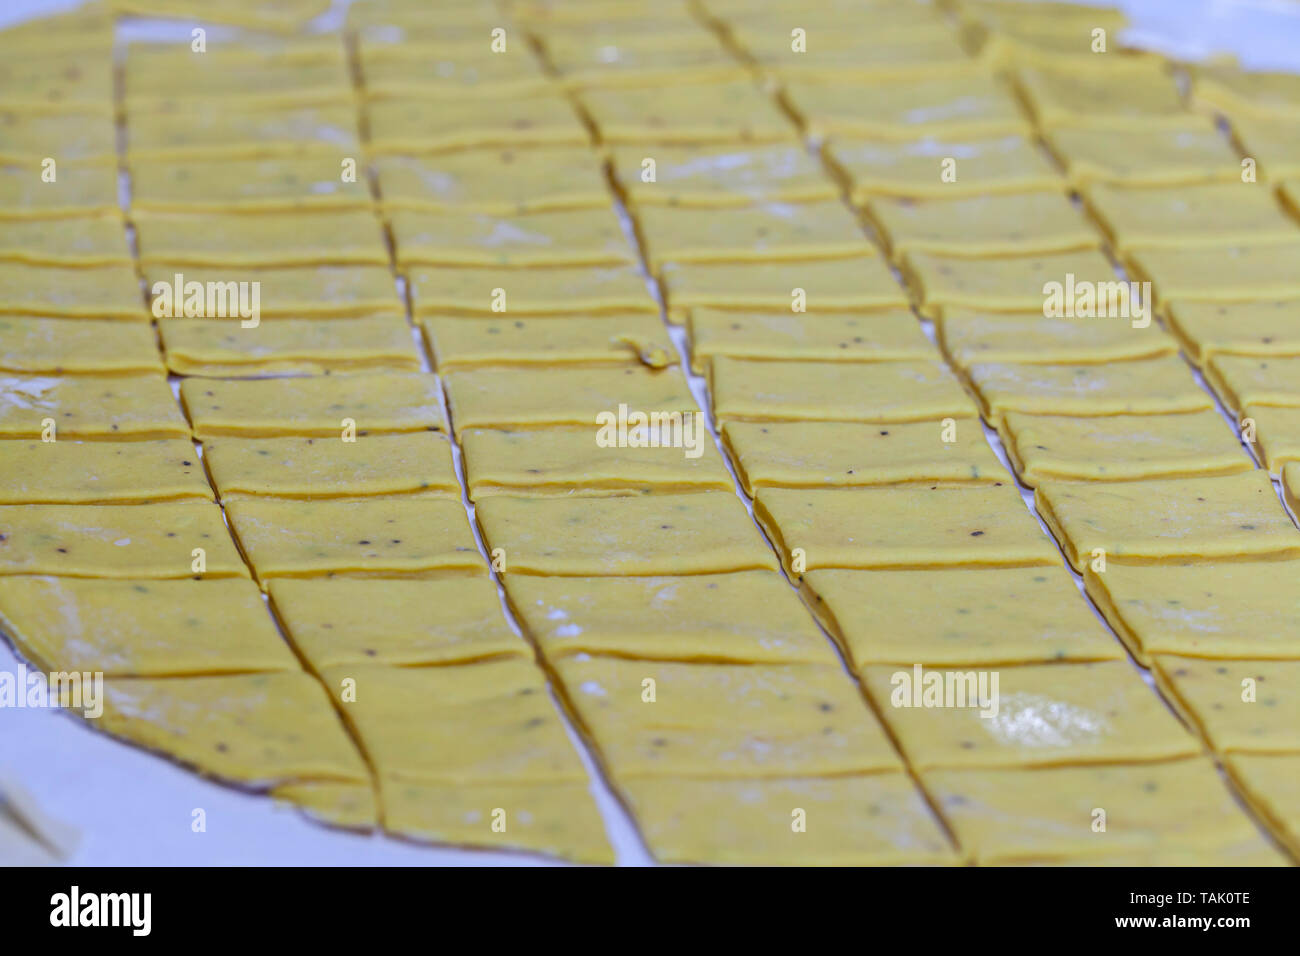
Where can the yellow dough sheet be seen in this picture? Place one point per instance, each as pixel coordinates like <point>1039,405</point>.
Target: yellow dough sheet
<point>1274,144</point>
<point>275,184</point>
<point>833,285</point>
<point>1120,447</point>
<point>565,237</point>
<point>1194,151</point>
<point>381,537</point>
<point>957,617</point>
<point>744,617</point>
<point>453,71</point>
<point>186,128</point>
<point>1238,328</point>
<point>975,336</point>
<point>224,348</point>
<point>333,623</point>
<point>281,292</point>
<point>837,391</point>
<point>941,168</point>
<point>55,80</point>
<point>318,407</point>
<point>615,339</point>
<point>85,241</point>
<point>1137,93</point>
<point>87,134</point>
<point>1238,706</point>
<point>627,536</point>
<point>1141,387</point>
<point>417,125</point>
<point>258,730</point>
<point>1232,517</point>
<point>1268,783</point>
<point>806,454</point>
<point>983,226</point>
<point>100,472</point>
<point>889,334</point>
<point>36,344</point>
<point>89,406</point>
<point>1058,46</point>
<point>1277,435</point>
<point>142,628</point>
<point>501,396</point>
<point>685,113</point>
<point>566,462</point>
<point>1015,816</point>
<point>722,720</point>
<point>906,527</point>
<point>118,541</point>
<point>1181,217</point>
<point>295,71</point>
<point>325,237</point>
<point>1244,380</point>
<point>638,60</point>
<point>1263,94</point>
<point>873,820</point>
<point>502,182</point>
<point>834,51</point>
<point>105,292</point>
<point>721,175</point>
<point>322,468</point>
<point>1221,273</point>
<point>501,291</point>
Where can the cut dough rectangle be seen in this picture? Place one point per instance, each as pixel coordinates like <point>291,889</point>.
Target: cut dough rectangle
<point>381,537</point>
<point>616,339</point>
<point>86,134</point>
<point>1238,328</point>
<point>100,472</point>
<point>835,57</point>
<point>56,80</point>
<point>1227,610</point>
<point>1264,94</point>
<point>721,720</point>
<point>118,541</point>
<point>325,237</point>
<point>953,617</point>
<point>142,628</point>
<point>1133,94</point>
<point>81,189</point>
<point>1179,217</point>
<point>977,336</point>
<point>1146,522</point>
<point>908,527</point>
<point>565,237</point>
<point>713,176</point>
<point>1193,152</point>
<point>282,292</point>
<point>320,468</point>
<point>288,72</point>
<point>282,183</point>
<point>1268,782</point>
<point>1120,447</point>
<point>193,129</point>
<point>638,59</point>
<point>82,241</point>
<point>36,344</point>
<point>574,462</point>
<point>741,618</point>
<point>452,71</point>
<point>320,406</point>
<point>103,292</point>
<point>1019,223</point>
<point>1243,380</point>
<point>1238,706</point>
<point>836,391</point>
<point>805,454</point>
<point>576,290</point>
<point>1221,273</point>
<point>1277,434</point>
<point>89,406</point>
<point>729,112</point>
<point>417,125</point>
<point>629,536</point>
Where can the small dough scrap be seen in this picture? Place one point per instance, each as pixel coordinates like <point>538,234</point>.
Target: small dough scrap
<point>570,291</point>
<point>1015,284</point>
<point>88,133</point>
<point>806,454</point>
<point>1238,706</point>
<point>401,125</point>
<point>958,617</point>
<point>556,819</point>
<point>1238,328</point>
<point>1181,217</point>
<point>1192,152</point>
<point>1120,447</point>
<point>1277,436</point>
<point>1271,785</point>
<point>495,397</point>
<point>713,176</point>
<point>716,721</point>
<point>1132,94</point>
<point>832,285</point>
<point>628,536</point>
<point>501,182</point>
<point>873,820</point>
<point>573,462</point>
<point>617,339</point>
<point>82,241</point>
<point>324,468</point>
<point>890,334</point>
<point>1153,386</point>
<point>490,722</point>
<point>82,189</point>
<point>1215,611</point>
<point>903,527</point>
<point>562,237</point>
<point>223,348</point>
<point>1231,517</point>
<point>333,622</point>
<point>1242,380</point>
<point>142,628</point>
<point>271,184</point>
<point>351,806</point>
<point>970,336</point>
<point>452,71</point>
<point>380,537</point>
<point>292,292</point>
<point>982,226</point>
<point>1011,816</point>
<point>100,472</point>
<point>1002,164</point>
<point>118,541</point>
<point>1035,715</point>
<point>745,617</point>
<point>102,292</point>
<point>837,391</point>
<point>314,407</point>
<point>255,729</point>
<point>1221,273</point>
<point>37,344</point>
<point>322,237</point>
<point>687,113</point>
<point>90,406</point>
<point>187,128</point>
